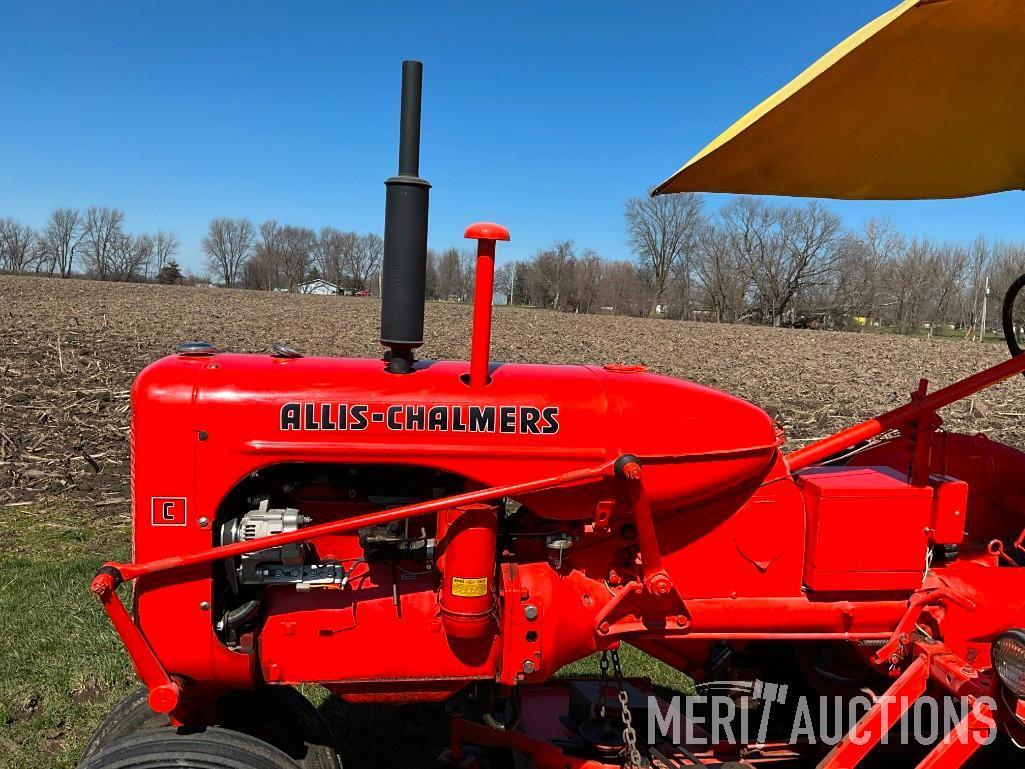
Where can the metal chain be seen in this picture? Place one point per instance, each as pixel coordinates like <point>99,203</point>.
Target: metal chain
<point>633,755</point>
<point>603,666</point>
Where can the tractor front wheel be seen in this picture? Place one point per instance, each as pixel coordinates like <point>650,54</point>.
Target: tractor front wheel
<point>212,748</point>
<point>277,715</point>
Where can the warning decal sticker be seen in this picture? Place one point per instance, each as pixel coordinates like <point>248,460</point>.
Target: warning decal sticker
<point>466,587</point>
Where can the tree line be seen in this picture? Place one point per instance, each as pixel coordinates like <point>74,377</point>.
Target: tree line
<point>757,261</point>
<point>750,260</point>
<point>92,242</point>
<point>273,256</point>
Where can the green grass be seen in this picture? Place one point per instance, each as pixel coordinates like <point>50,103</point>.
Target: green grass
<point>637,664</point>
<point>940,334</point>
<point>62,666</point>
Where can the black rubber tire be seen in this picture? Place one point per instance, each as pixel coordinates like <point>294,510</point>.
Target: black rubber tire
<point>212,748</point>
<point>277,715</point>
<point>130,716</point>
<point>283,717</point>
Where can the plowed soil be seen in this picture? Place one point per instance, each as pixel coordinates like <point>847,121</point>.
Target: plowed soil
<point>69,350</point>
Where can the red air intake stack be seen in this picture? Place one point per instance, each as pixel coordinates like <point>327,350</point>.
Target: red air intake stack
<point>403,277</point>
<point>485,233</point>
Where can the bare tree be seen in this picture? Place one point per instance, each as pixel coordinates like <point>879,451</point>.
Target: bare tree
<point>101,228</point>
<point>906,275</point>
<point>363,259</point>
<point>947,269</point>
<point>450,275</point>
<point>808,237</point>
<point>722,282</point>
<point>623,291</point>
<point>468,269</point>
<point>61,238</point>
<point>550,276</point>
<point>748,227</point>
<point>268,257</point>
<point>504,278</point>
<point>296,248</point>
<point>662,231</point>
<point>431,275</point>
<point>329,254</point>
<point>782,250</point>
<point>17,246</point>
<point>972,292</point>
<point>861,270</point>
<point>165,246</point>
<point>129,257</point>
<point>227,245</point>
<point>1006,264</point>
<point>588,274</point>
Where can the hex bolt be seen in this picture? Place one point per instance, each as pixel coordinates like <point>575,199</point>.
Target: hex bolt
<point>204,606</point>
<point>530,612</point>
<point>529,666</point>
<point>204,521</point>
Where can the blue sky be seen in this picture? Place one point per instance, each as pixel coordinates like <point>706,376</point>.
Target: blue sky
<point>541,116</point>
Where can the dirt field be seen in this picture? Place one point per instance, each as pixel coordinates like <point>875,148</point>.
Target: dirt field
<point>69,351</point>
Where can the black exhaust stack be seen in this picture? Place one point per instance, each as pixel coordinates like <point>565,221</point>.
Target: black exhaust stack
<point>403,278</point>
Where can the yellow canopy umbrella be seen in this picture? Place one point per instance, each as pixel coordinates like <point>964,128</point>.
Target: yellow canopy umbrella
<point>927,101</point>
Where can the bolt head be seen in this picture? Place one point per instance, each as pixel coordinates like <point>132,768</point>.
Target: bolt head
<point>530,611</point>
<point>204,521</point>
<point>204,606</point>
<point>529,666</point>
<point>660,584</point>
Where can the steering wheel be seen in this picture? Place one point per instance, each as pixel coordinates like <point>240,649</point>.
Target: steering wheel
<point>1007,316</point>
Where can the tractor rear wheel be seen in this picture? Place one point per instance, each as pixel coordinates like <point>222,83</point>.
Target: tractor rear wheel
<point>211,748</point>
<point>277,715</point>
<point>131,715</point>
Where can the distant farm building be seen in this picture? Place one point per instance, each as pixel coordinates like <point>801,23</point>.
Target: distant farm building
<point>319,286</point>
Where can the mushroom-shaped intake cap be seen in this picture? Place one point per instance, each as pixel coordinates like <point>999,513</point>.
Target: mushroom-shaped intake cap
<point>486,231</point>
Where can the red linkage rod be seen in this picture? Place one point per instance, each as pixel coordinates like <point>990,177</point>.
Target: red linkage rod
<point>909,412</point>
<point>130,571</point>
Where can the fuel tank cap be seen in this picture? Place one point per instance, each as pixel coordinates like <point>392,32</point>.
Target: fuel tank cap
<point>195,348</point>
<point>282,350</point>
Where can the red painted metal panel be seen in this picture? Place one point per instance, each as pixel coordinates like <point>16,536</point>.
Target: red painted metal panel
<point>867,529</point>
<point>949,509</point>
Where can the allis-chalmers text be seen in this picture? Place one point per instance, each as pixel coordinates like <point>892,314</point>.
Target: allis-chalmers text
<point>516,420</point>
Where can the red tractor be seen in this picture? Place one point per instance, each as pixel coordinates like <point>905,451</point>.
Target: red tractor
<point>416,530</point>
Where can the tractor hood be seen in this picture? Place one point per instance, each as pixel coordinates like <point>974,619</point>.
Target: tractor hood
<point>530,421</point>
